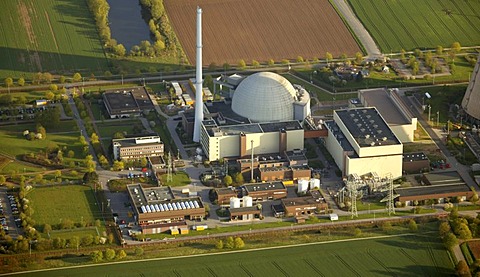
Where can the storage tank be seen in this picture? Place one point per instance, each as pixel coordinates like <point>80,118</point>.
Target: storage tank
<point>161,208</point>
<point>148,209</point>
<point>174,207</point>
<point>152,208</point>
<point>247,201</point>
<point>165,207</point>
<point>187,205</point>
<point>314,183</point>
<point>178,205</point>
<point>302,185</point>
<point>191,204</point>
<point>234,202</point>
<point>170,208</point>
<point>183,205</point>
<point>157,208</point>
<point>143,209</point>
<point>196,204</point>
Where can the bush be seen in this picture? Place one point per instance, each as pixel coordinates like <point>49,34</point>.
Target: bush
<point>138,251</point>
<point>110,254</point>
<point>219,244</point>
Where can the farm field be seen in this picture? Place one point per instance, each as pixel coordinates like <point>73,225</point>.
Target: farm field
<point>48,35</point>
<point>71,202</point>
<point>410,24</point>
<point>408,255</point>
<point>261,30</point>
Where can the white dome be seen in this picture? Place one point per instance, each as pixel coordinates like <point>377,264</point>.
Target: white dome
<point>264,97</point>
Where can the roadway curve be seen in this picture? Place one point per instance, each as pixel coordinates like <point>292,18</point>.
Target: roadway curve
<point>363,35</point>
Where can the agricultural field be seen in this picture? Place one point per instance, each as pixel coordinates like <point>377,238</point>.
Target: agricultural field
<point>261,30</point>
<point>408,255</point>
<point>72,202</point>
<point>410,24</point>
<point>48,35</point>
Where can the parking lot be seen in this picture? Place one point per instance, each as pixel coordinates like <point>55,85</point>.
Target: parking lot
<point>9,214</point>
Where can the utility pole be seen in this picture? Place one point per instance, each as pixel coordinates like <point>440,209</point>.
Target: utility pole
<point>251,165</point>
<point>438,117</point>
<point>429,108</point>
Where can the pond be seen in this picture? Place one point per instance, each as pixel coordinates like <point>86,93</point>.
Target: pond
<point>126,23</point>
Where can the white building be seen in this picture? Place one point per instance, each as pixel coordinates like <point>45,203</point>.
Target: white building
<point>137,147</point>
<point>361,142</point>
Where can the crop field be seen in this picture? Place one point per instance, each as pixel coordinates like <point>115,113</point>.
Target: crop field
<point>73,202</point>
<point>410,24</point>
<point>48,35</point>
<point>261,30</point>
<point>410,255</point>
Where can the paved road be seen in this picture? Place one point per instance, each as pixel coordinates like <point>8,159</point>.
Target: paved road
<point>370,46</point>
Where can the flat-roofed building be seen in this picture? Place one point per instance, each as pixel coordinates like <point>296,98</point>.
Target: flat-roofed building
<point>439,187</point>
<point>301,206</point>
<point>223,195</point>
<point>127,102</point>
<point>245,213</point>
<point>136,147</point>
<point>393,111</point>
<point>361,142</point>
<point>266,191</point>
<point>415,162</point>
<point>155,208</point>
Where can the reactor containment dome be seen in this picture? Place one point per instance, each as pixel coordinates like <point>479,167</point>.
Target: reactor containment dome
<point>265,97</point>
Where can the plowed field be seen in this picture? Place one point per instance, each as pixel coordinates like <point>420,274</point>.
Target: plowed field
<point>261,30</point>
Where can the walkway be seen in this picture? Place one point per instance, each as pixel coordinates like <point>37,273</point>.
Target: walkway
<point>368,43</point>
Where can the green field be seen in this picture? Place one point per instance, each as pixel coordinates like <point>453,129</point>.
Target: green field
<point>410,255</point>
<point>109,127</point>
<point>53,204</point>
<point>48,35</point>
<point>410,24</point>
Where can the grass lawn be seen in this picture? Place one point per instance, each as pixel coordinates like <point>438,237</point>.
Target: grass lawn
<point>49,36</point>
<point>407,255</point>
<point>411,24</point>
<point>73,202</point>
<point>179,179</point>
<point>79,232</point>
<point>108,128</point>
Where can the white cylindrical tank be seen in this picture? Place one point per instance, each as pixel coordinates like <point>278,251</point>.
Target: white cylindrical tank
<point>178,205</point>
<point>196,204</point>
<point>183,205</point>
<point>314,183</point>
<point>157,208</point>
<point>247,201</point>
<point>161,208</point>
<point>191,205</point>
<point>302,185</point>
<point>143,209</point>
<point>174,207</point>
<point>170,208</point>
<point>165,207</point>
<point>187,205</point>
<point>148,209</point>
<point>152,208</point>
<point>234,202</point>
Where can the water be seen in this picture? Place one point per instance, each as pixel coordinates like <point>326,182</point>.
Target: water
<point>126,23</point>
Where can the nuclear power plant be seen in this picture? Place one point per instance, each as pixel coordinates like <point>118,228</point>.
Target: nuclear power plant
<point>471,100</point>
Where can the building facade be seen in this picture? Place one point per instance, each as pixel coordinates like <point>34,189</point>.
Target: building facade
<point>137,147</point>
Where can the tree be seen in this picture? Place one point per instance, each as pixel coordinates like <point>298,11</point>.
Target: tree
<point>118,165</point>
<point>208,82</point>
<point>219,244</point>
<point>462,269</point>
<point>21,81</point>
<point>82,140</point>
<point>90,177</point>
<point>119,50</point>
<point>103,161</point>
<point>61,79</point>
<point>89,163</point>
<point>474,198</point>
<point>227,180</point>
<point>71,153</point>
<point>2,179</point>
<point>300,59</point>
<point>230,243</point>
<point>77,77</point>
<point>238,243</point>
<point>456,46</point>
<point>118,135</point>
<point>97,256</point>
<point>8,82</point>
<point>412,225</point>
<point>439,50</point>
<point>464,232</point>
<point>49,118</point>
<point>87,240</point>
<point>328,56</point>
<point>242,64</point>
<point>239,178</point>
<point>110,254</point>
<point>271,62</point>
<point>94,138</point>
<point>138,251</point>
<point>121,254</point>
<point>358,58</point>
<point>58,173</point>
<point>450,241</point>
<point>47,228</point>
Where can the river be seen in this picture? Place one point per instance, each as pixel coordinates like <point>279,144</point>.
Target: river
<point>126,23</point>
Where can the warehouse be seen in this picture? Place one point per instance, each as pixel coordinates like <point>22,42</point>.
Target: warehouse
<point>223,195</point>
<point>301,206</point>
<point>156,209</point>
<point>265,191</point>
<point>439,187</point>
<point>128,102</point>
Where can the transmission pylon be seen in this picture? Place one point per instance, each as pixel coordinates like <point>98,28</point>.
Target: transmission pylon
<point>391,195</point>
<point>353,184</point>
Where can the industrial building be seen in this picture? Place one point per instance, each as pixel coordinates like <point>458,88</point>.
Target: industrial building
<point>416,162</point>
<point>223,195</point>
<point>438,186</point>
<point>304,206</point>
<point>156,209</point>
<point>360,141</point>
<point>265,191</point>
<point>127,102</point>
<point>263,116</point>
<point>393,110</point>
<point>243,209</point>
<point>136,147</point>
<point>471,99</point>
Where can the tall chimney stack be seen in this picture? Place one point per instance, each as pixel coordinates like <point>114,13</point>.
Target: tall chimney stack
<point>198,80</point>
